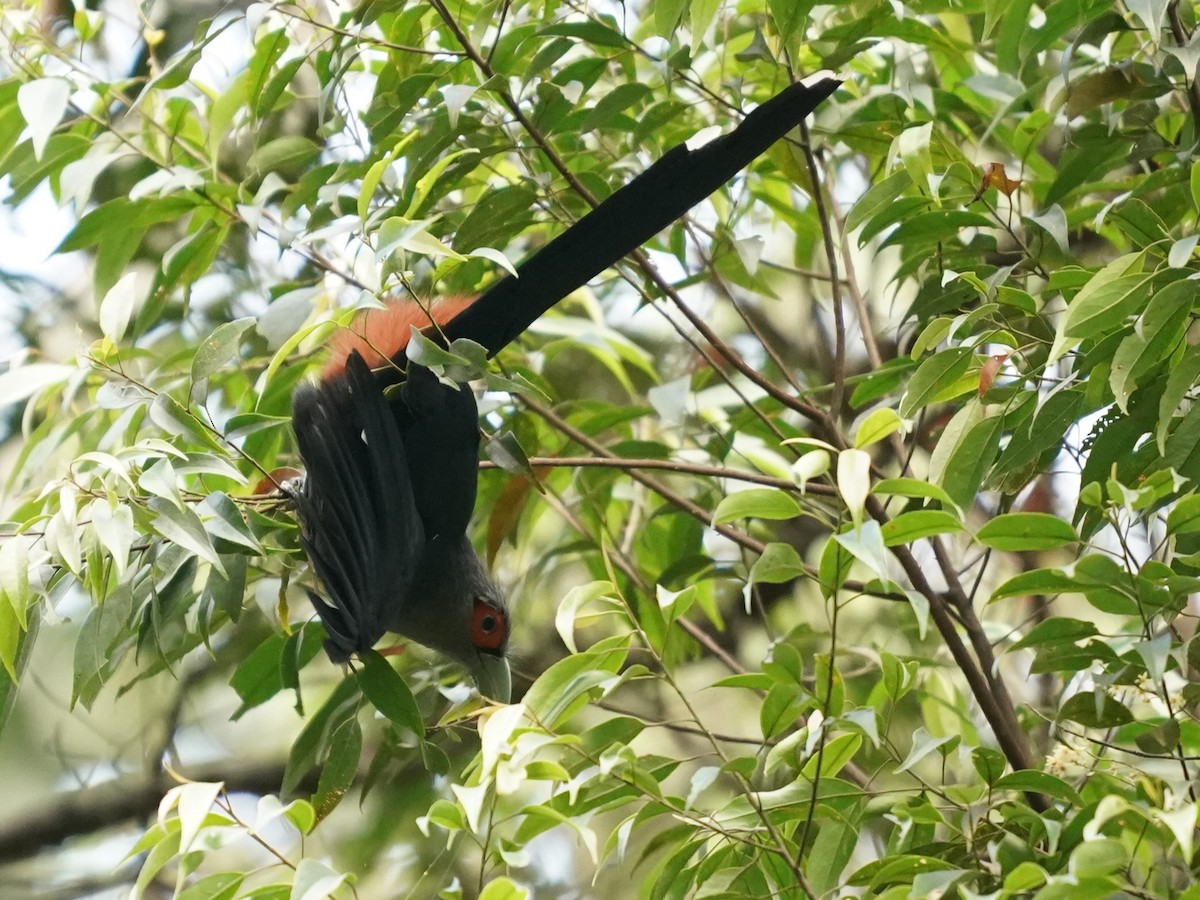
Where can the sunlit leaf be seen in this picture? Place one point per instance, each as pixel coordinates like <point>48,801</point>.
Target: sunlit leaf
<point>1026,531</point>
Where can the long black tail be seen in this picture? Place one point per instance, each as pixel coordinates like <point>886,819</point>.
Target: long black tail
<point>628,218</point>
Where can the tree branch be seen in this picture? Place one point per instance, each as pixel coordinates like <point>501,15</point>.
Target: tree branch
<point>126,799</point>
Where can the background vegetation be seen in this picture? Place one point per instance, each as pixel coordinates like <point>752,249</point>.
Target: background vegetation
<point>851,527</point>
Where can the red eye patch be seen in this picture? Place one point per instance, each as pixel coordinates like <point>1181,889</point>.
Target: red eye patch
<point>489,627</point>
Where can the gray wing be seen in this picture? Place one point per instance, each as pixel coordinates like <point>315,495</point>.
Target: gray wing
<point>359,524</point>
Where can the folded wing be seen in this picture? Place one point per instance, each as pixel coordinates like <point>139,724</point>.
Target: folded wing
<point>361,529</point>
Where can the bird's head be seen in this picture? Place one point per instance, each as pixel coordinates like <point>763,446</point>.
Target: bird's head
<point>487,658</point>
<point>454,607</point>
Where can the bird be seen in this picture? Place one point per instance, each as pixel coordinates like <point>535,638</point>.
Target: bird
<point>391,451</point>
<point>392,462</point>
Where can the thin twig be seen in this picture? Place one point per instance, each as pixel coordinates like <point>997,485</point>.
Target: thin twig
<point>835,285</point>
<point>669,465</point>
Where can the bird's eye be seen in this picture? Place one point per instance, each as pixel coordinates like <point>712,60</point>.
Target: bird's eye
<point>489,627</point>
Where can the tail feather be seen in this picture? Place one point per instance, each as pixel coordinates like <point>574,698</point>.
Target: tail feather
<point>628,218</point>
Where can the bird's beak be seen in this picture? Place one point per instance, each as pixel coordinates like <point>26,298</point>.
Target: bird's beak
<point>492,676</point>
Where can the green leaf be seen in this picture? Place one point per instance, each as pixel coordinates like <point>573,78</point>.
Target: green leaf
<point>877,426</point>
<point>1091,158</point>
<point>389,693</point>
<point>837,754</point>
<point>834,568</point>
<point>880,195</point>
<point>225,108</point>
<point>219,347</point>
<point>218,886</point>
<point>274,88</point>
<point>970,459</point>
<point>1024,878</point>
<point>667,14</point>
<point>923,743</point>
<point>341,765</point>
<point>191,257</point>
<point>613,103</point>
<point>505,451</point>
<point>898,868</point>
<point>1180,382</point>
<point>116,229</point>
<point>1034,782</point>
<point>246,424</point>
<point>160,854</point>
<point>888,379</point>
<point>315,880</point>
<point>42,102</point>
<point>1182,451</point>
<point>576,599</point>
<point>590,30</point>
<point>1041,434</point>
<point>1026,531</point>
<point>780,709</point>
<point>12,638</point>
<point>911,526</point>
<point>898,677</point>
<point>257,678</point>
<point>779,564</point>
<point>503,888</point>
<point>1184,517</point>
<point>223,521</point>
<point>192,802</point>
<point>287,154</point>
<point>14,572</point>
<point>1161,740</point>
<point>1103,303</point>
<point>912,487</point>
<point>261,675</point>
<point>267,51</point>
<point>1058,630</point>
<point>756,503</point>
<point>988,763</point>
<point>117,307</point>
<point>831,853</point>
<point>98,648</point>
<point>788,16</point>
<point>179,67</point>
<point>935,376</point>
<point>931,335</point>
<point>375,173</point>
<point>1100,856</point>
<point>426,182</point>
<point>463,361</point>
<point>1140,222</point>
<point>183,527</point>
<point>702,13</point>
<point>560,691</point>
<point>934,226</point>
<point>313,740</point>
<point>1094,709</point>
<point>1161,328</point>
<point>488,221</point>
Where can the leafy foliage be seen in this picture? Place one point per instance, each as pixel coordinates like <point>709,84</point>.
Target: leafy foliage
<point>852,525</point>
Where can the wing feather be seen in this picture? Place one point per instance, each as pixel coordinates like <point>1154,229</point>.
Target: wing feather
<point>360,526</point>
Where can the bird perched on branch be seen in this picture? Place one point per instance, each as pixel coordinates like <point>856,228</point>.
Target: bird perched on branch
<point>392,460</point>
<point>391,451</point>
